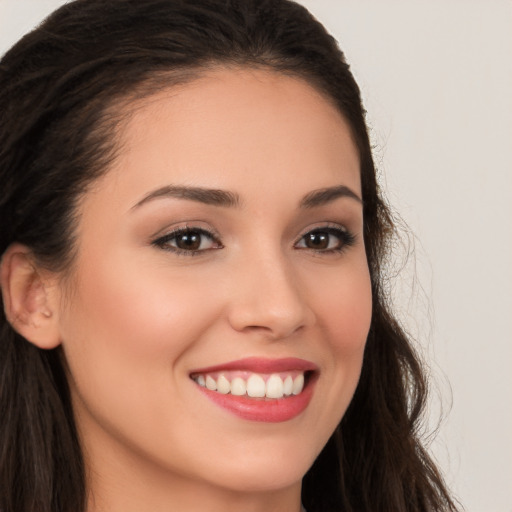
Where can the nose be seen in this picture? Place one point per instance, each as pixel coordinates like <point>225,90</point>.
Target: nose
<point>267,298</point>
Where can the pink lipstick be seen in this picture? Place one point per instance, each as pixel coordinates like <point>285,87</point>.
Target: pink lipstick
<point>258,389</point>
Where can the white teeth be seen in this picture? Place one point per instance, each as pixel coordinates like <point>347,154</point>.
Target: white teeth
<point>210,383</point>
<point>298,384</point>
<point>274,387</point>
<point>223,385</point>
<point>277,386</point>
<point>238,386</point>
<point>288,386</point>
<point>256,386</point>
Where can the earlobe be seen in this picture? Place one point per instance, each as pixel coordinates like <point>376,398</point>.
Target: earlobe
<point>28,297</point>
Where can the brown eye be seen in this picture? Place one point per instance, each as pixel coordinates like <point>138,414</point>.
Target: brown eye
<point>317,240</point>
<point>188,241</point>
<point>328,239</point>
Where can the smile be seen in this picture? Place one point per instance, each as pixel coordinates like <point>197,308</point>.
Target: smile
<point>259,389</point>
<point>254,385</point>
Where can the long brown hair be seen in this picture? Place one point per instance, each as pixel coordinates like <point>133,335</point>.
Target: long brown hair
<point>61,88</point>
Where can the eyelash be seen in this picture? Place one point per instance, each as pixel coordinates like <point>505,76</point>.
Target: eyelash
<point>164,241</point>
<point>345,237</point>
<point>346,240</point>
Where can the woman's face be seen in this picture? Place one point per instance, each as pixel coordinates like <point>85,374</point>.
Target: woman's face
<point>224,249</point>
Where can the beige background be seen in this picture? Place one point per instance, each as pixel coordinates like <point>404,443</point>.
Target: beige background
<point>437,80</point>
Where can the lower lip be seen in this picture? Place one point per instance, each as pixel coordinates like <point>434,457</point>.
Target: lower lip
<point>269,410</point>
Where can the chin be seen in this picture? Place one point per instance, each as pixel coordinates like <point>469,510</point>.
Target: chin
<point>255,474</point>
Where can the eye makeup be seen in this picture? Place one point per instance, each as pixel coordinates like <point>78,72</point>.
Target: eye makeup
<point>331,238</point>
<point>188,241</point>
<point>194,240</point>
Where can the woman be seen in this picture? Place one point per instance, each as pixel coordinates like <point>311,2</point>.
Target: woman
<point>192,240</point>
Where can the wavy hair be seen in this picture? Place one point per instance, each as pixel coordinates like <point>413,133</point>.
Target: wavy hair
<point>62,91</point>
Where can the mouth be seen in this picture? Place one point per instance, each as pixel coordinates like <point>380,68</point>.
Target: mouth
<point>259,389</point>
<point>253,385</point>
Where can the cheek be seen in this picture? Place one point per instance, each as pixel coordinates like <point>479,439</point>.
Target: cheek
<point>345,311</point>
<point>343,305</point>
<point>345,316</point>
<point>138,311</point>
<point>126,331</point>
<point>125,336</point>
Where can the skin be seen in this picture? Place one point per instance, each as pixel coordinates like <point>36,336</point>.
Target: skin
<point>135,318</point>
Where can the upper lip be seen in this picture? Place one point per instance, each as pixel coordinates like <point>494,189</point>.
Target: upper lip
<point>261,365</point>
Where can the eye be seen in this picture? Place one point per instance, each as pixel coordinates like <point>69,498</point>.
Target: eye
<point>326,239</point>
<point>188,241</point>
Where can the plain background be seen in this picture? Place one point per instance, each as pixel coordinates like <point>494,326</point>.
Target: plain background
<point>436,78</point>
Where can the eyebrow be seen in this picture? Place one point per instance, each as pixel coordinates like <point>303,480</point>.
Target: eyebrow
<point>217,197</point>
<point>324,196</point>
<point>202,195</point>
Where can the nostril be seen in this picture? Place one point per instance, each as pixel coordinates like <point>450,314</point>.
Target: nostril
<point>273,331</point>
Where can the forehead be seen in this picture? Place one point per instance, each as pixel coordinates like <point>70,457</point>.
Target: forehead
<point>235,128</point>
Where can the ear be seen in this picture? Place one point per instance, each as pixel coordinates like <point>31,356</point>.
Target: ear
<point>29,296</point>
